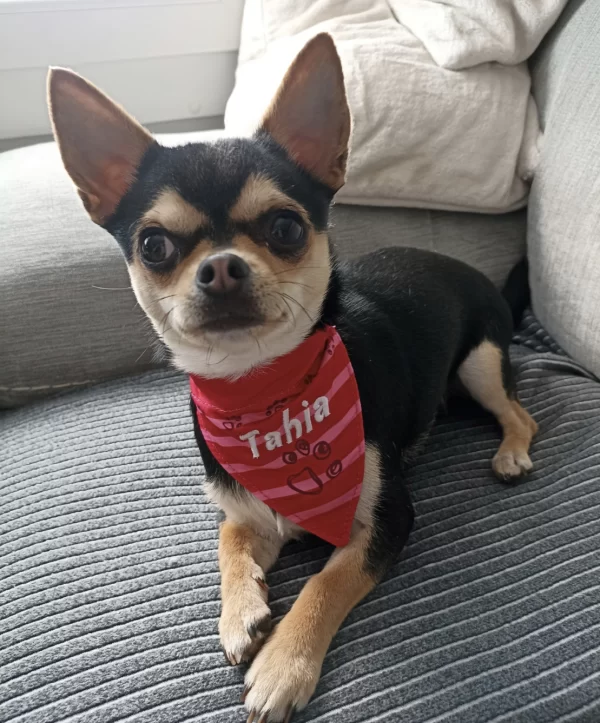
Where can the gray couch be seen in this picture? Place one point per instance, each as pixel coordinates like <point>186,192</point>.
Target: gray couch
<point>109,586</point>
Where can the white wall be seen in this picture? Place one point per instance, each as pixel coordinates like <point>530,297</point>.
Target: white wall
<point>163,60</point>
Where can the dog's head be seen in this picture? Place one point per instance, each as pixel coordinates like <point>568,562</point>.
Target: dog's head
<point>226,242</point>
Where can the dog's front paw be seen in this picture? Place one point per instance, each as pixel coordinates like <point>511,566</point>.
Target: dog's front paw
<point>510,465</point>
<point>280,681</point>
<point>245,619</point>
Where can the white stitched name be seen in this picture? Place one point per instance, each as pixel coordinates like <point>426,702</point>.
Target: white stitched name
<point>292,428</point>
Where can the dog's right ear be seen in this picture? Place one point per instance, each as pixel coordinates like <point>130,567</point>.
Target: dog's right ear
<point>101,145</point>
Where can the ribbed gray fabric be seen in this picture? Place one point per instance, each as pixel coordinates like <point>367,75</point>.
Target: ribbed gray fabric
<point>109,592</point>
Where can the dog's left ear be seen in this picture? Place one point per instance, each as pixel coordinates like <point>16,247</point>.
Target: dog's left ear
<point>309,116</point>
<point>101,145</point>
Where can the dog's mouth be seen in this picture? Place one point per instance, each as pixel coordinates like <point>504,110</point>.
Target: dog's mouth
<point>226,317</point>
<point>230,321</point>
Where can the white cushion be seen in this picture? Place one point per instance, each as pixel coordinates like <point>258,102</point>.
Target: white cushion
<point>423,136</point>
<point>464,33</point>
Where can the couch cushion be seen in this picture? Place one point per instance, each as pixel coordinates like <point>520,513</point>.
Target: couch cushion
<point>492,244</point>
<point>422,135</point>
<point>109,582</point>
<point>564,207</point>
<point>68,315</point>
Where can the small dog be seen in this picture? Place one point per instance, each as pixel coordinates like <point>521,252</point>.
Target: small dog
<point>228,254</point>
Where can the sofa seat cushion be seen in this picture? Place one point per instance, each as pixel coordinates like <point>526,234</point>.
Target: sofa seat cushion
<point>109,586</point>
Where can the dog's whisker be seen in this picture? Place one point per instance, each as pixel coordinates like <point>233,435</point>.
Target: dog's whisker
<point>300,268</point>
<point>162,298</point>
<point>291,298</point>
<point>143,352</point>
<point>214,364</point>
<point>165,319</point>
<point>287,303</point>
<point>208,354</point>
<point>298,283</point>
<point>112,288</point>
<point>257,340</point>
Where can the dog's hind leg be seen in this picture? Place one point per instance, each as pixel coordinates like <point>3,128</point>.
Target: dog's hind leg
<point>485,373</point>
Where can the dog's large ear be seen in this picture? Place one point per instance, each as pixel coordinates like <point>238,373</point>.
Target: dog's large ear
<point>100,144</point>
<point>309,116</point>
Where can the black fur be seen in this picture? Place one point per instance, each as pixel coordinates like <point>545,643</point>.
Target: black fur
<point>408,318</point>
<point>516,290</point>
<point>210,176</point>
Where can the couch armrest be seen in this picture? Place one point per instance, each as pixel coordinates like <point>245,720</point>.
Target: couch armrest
<point>564,204</point>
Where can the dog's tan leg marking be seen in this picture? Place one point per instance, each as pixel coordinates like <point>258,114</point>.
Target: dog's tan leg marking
<point>244,558</point>
<point>285,672</point>
<point>481,373</point>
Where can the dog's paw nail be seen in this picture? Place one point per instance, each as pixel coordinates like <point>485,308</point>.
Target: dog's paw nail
<point>251,717</point>
<point>289,715</point>
<point>511,466</point>
<point>264,718</point>
<point>262,584</point>
<point>244,624</point>
<point>244,694</point>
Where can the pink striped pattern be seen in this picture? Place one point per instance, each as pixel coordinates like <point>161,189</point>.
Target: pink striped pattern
<point>286,491</point>
<point>329,437</point>
<point>226,441</point>
<point>315,511</point>
<point>252,417</point>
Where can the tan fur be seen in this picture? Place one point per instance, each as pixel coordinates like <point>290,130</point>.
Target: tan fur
<point>288,293</point>
<point>173,213</point>
<point>244,558</point>
<point>481,373</point>
<point>371,489</point>
<point>260,195</point>
<point>286,670</point>
<point>249,543</point>
<point>100,143</point>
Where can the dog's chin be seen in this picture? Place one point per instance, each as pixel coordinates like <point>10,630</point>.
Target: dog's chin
<point>221,328</point>
<point>231,323</point>
<point>230,346</point>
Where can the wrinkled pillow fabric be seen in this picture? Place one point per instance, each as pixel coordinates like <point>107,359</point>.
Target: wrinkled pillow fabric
<point>464,33</point>
<point>423,136</point>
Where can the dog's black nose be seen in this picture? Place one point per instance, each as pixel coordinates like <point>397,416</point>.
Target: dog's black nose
<point>222,274</point>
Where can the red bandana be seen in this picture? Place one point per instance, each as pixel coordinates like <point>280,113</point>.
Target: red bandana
<point>292,434</point>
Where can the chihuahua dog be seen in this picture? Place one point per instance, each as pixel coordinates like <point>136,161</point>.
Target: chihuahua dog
<point>228,254</point>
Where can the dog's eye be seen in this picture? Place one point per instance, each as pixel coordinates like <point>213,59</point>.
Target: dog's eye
<point>286,230</point>
<point>156,248</point>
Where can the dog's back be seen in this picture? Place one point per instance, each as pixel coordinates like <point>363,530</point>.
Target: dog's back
<point>409,319</point>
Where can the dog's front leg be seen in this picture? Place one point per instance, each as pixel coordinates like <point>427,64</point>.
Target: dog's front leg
<point>285,672</point>
<point>244,558</point>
